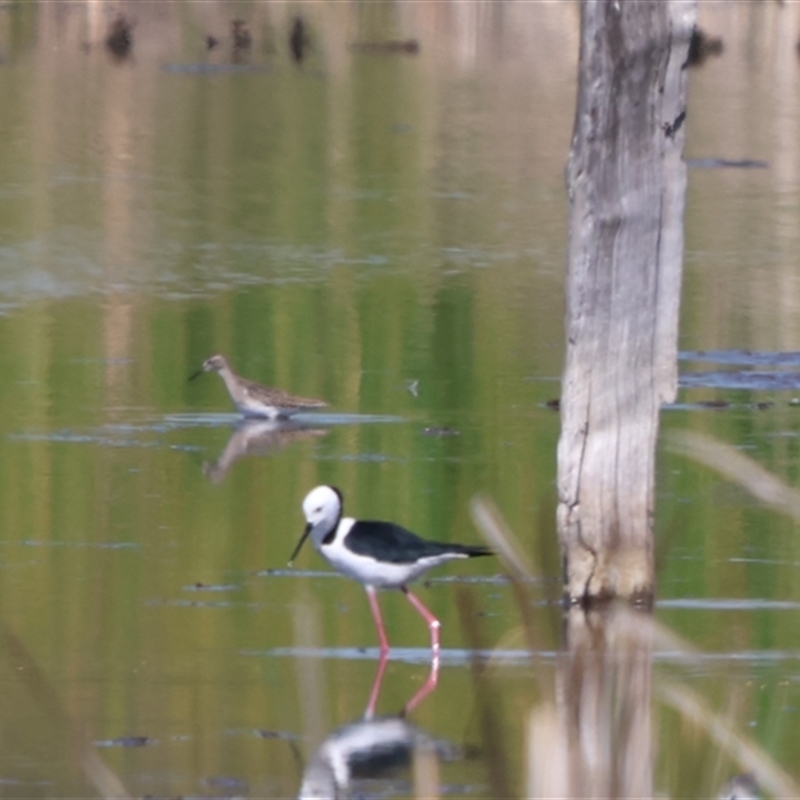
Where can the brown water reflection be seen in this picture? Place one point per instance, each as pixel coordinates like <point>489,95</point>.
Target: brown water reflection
<point>347,227</point>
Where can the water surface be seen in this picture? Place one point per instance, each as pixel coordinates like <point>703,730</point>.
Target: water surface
<point>386,231</point>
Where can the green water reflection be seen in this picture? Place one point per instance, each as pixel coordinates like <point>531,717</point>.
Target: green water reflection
<point>341,229</point>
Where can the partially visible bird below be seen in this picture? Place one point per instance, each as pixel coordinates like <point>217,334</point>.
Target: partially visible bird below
<point>254,400</point>
<point>370,749</point>
<point>741,787</point>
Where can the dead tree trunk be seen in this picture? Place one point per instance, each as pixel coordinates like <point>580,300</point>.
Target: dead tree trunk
<point>626,182</point>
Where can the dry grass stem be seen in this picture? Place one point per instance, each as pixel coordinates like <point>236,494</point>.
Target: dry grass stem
<point>499,536</point>
<point>308,636</point>
<point>426,773</point>
<point>739,747</point>
<point>97,772</point>
<point>736,467</point>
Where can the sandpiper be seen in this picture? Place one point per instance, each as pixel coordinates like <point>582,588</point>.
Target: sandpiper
<point>380,555</point>
<point>254,400</point>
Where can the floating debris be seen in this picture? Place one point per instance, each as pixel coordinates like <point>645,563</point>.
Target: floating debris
<point>126,741</point>
<point>212,587</point>
<point>726,163</point>
<point>713,403</point>
<point>283,735</point>
<point>440,431</point>
<point>242,39</point>
<point>298,39</point>
<point>119,40</point>
<point>701,46</point>
<point>393,46</point>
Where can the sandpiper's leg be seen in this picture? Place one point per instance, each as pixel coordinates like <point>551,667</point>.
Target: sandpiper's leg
<point>372,594</point>
<point>433,623</point>
<point>369,713</point>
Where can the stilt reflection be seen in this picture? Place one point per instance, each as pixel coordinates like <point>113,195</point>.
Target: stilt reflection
<point>374,747</point>
<point>430,684</point>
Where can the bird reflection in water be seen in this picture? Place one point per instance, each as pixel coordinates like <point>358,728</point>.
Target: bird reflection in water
<point>372,748</point>
<point>258,437</point>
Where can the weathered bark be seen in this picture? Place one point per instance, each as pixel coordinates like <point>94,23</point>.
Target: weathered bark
<point>626,182</point>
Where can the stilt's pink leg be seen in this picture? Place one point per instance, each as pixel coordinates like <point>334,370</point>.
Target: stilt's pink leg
<point>425,689</point>
<point>433,675</point>
<point>433,623</point>
<point>376,615</point>
<point>376,686</point>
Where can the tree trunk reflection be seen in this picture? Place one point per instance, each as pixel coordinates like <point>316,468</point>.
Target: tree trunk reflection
<point>596,740</point>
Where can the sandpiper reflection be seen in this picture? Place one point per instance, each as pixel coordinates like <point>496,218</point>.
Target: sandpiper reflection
<point>257,437</point>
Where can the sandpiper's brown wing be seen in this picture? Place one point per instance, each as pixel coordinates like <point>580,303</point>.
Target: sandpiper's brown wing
<point>279,398</point>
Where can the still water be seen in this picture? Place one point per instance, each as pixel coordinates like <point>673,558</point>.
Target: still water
<point>384,229</point>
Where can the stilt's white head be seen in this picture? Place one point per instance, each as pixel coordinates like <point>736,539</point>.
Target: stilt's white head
<point>322,508</point>
<point>322,504</point>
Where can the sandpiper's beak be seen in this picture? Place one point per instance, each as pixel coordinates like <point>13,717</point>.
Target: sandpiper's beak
<point>309,526</point>
<point>197,374</point>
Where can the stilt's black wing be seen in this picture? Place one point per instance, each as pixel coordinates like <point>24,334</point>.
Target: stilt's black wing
<point>393,544</point>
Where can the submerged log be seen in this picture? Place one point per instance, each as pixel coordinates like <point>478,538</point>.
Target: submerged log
<point>626,182</point>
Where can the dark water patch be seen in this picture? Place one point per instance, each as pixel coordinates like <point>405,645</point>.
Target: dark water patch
<point>510,657</point>
<point>210,587</point>
<point>726,163</point>
<point>777,562</point>
<point>16,782</point>
<point>743,357</point>
<point>127,741</point>
<point>489,580</point>
<point>440,432</point>
<point>262,733</point>
<point>721,405</point>
<point>366,458</point>
<point>226,604</point>
<point>738,379</point>
<point>408,655</point>
<point>295,573</point>
<point>73,437</point>
<point>752,657</point>
<point>730,604</point>
<point>350,419</point>
<point>171,422</point>
<point>213,420</point>
<point>145,433</point>
<point>215,69</point>
<point>224,782</point>
<point>702,405</point>
<point>99,545</point>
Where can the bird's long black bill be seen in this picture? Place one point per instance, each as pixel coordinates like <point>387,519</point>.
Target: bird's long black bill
<point>309,526</point>
<point>196,374</point>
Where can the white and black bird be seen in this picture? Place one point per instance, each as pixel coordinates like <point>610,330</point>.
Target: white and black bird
<point>381,555</point>
<point>251,398</point>
<point>368,749</point>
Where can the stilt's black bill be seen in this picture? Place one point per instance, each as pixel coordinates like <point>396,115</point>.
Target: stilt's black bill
<point>309,526</point>
<point>196,374</point>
